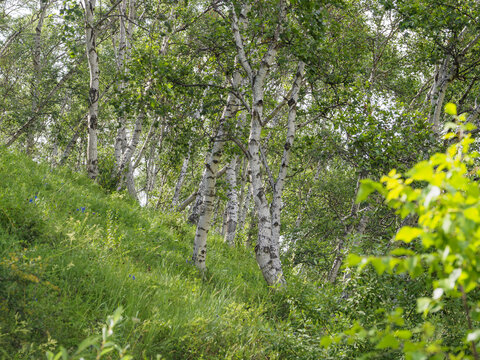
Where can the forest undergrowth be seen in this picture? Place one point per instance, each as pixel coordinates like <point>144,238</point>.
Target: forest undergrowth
<point>72,254</point>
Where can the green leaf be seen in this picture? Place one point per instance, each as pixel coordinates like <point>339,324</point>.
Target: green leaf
<point>473,336</point>
<point>388,341</point>
<point>367,187</point>
<point>449,135</point>
<point>473,214</point>
<point>402,251</point>
<point>378,265</point>
<point>326,341</point>
<point>423,304</point>
<point>403,334</point>
<point>407,234</point>
<point>106,351</point>
<point>353,259</point>
<point>92,340</point>
<point>423,171</point>
<point>451,109</point>
<point>437,293</point>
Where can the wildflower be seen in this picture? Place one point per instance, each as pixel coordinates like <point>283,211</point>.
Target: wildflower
<point>31,200</point>
<point>83,209</point>
<point>133,277</point>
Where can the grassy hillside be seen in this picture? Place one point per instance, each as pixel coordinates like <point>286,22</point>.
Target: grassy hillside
<point>70,254</point>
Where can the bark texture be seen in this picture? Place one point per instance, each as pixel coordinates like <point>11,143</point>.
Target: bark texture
<point>267,249</point>
<point>93,95</point>
<point>37,69</point>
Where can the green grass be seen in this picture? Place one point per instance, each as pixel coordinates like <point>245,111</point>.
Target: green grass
<point>70,254</point>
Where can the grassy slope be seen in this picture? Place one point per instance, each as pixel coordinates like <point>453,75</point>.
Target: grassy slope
<point>71,254</point>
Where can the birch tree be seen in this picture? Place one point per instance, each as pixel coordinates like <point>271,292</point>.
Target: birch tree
<point>93,94</point>
<point>37,67</point>
<point>267,247</point>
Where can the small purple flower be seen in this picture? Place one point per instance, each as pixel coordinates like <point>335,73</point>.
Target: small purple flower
<point>133,277</point>
<point>31,200</point>
<point>35,196</point>
<point>83,209</point>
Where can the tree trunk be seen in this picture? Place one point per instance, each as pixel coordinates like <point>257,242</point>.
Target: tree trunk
<point>211,168</point>
<point>443,77</point>
<point>121,139</point>
<point>186,202</point>
<point>244,210</point>
<point>90,31</point>
<point>277,204</point>
<point>233,205</point>
<point>231,216</point>
<point>197,207</point>
<point>130,149</point>
<point>267,253</point>
<point>37,69</point>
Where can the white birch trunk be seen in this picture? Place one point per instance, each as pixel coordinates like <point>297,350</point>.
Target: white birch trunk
<point>245,207</point>
<point>277,204</point>
<point>231,217</point>
<point>128,153</point>
<point>37,69</point>
<point>121,139</point>
<point>186,202</point>
<point>211,168</point>
<point>442,79</point>
<point>130,182</point>
<point>197,205</point>
<point>267,253</point>
<point>232,208</point>
<point>90,32</point>
<point>203,225</point>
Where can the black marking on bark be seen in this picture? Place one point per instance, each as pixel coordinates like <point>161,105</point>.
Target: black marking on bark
<point>93,95</point>
<point>291,102</point>
<point>92,122</point>
<point>287,146</point>
<point>260,194</point>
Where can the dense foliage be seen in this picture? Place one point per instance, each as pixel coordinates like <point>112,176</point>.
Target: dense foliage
<point>190,172</point>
